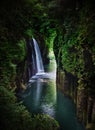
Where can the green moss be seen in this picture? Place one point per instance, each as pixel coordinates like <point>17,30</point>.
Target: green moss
<point>45,122</point>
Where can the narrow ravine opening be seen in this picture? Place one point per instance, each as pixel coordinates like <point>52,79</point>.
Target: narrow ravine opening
<point>43,97</point>
<point>47,65</point>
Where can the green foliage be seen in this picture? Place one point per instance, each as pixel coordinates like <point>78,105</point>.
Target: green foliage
<point>72,37</point>
<point>19,20</point>
<point>29,33</point>
<point>14,115</point>
<point>74,46</point>
<point>20,51</point>
<point>44,122</point>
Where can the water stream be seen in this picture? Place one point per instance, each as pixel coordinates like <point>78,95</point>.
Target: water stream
<point>43,96</point>
<point>39,62</point>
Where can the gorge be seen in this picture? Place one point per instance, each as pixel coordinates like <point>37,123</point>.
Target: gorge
<point>62,27</point>
<point>43,96</point>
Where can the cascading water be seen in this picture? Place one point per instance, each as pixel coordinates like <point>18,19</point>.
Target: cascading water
<point>36,63</point>
<point>39,62</point>
<point>42,96</point>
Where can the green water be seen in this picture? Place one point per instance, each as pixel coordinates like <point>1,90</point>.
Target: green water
<point>42,96</point>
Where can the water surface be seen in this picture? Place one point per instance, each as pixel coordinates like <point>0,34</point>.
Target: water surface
<point>42,96</point>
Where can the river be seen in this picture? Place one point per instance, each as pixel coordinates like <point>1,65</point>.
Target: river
<point>43,96</point>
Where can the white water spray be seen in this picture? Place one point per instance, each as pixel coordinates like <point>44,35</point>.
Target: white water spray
<point>39,62</point>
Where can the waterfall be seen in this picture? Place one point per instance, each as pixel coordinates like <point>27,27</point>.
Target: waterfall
<point>39,62</point>
<point>36,68</point>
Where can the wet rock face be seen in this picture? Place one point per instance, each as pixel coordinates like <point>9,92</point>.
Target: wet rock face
<point>82,105</point>
<point>85,104</point>
<point>29,58</point>
<point>21,76</point>
<point>84,92</point>
<point>67,83</point>
<point>23,68</point>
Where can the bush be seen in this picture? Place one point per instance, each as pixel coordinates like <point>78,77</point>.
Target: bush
<point>44,122</point>
<point>14,116</point>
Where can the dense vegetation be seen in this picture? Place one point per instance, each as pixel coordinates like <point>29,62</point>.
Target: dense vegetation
<point>68,27</point>
<point>17,25</point>
<point>75,54</point>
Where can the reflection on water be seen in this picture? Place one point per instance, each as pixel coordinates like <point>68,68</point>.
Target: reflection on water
<point>43,97</point>
<point>37,95</point>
